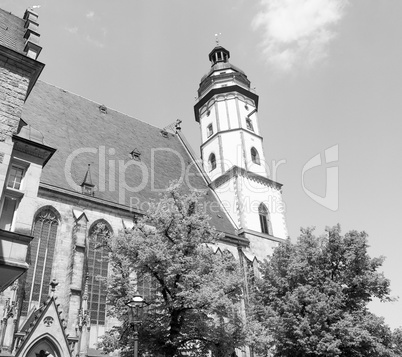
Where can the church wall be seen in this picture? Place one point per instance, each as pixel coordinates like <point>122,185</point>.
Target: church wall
<point>250,142</point>
<point>255,192</point>
<point>14,81</point>
<point>227,193</point>
<point>212,147</point>
<point>233,149</point>
<point>30,183</point>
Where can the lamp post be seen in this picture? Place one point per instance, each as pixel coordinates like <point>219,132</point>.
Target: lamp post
<point>135,314</point>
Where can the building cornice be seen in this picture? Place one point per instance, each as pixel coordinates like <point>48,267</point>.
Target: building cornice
<point>236,171</point>
<point>33,148</point>
<point>213,136</point>
<point>244,232</point>
<point>33,67</point>
<point>215,91</point>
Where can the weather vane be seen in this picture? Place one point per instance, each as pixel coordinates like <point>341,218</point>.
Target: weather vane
<point>217,38</point>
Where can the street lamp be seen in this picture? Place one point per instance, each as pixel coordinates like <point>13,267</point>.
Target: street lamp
<point>135,314</point>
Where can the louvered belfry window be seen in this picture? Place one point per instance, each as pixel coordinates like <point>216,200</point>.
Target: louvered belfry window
<point>265,221</point>
<point>97,267</point>
<point>40,258</point>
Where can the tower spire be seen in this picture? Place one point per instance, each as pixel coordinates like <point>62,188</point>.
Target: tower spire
<point>217,38</point>
<point>232,147</point>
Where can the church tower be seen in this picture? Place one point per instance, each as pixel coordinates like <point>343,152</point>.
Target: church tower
<point>232,152</point>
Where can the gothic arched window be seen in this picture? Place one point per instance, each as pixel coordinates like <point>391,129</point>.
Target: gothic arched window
<point>40,257</point>
<point>255,157</point>
<point>265,221</point>
<point>212,162</point>
<point>97,267</point>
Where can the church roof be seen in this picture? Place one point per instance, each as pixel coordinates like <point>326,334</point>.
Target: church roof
<point>85,132</point>
<point>12,31</point>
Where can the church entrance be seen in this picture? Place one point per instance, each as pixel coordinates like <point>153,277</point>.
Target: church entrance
<point>43,348</point>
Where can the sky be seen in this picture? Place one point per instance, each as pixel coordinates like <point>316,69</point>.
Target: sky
<point>328,74</point>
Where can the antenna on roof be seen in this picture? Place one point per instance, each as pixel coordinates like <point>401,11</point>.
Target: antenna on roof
<point>217,38</point>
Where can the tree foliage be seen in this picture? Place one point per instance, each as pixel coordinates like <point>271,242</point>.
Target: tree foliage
<point>193,294</point>
<point>313,295</point>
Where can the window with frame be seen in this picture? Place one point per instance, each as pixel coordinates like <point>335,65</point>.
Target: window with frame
<point>265,221</point>
<point>212,162</point>
<point>210,130</point>
<point>255,157</point>
<point>98,259</point>
<point>40,257</point>
<point>15,177</point>
<point>249,124</point>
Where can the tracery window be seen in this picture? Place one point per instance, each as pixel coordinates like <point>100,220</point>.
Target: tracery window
<point>255,157</point>
<point>265,221</point>
<point>97,268</point>
<point>40,257</point>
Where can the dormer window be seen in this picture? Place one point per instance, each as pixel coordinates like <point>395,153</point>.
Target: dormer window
<point>249,124</point>
<point>87,186</point>
<point>135,155</point>
<point>103,109</point>
<point>164,133</point>
<point>210,130</point>
<point>15,177</point>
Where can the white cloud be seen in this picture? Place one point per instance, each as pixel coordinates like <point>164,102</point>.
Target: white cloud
<point>297,32</point>
<point>72,30</point>
<point>90,15</point>
<point>94,42</point>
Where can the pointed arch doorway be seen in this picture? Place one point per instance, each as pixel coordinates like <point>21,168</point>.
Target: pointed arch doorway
<point>45,347</point>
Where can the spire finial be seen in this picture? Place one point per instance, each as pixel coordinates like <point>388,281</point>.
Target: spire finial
<point>217,38</point>
<point>53,285</point>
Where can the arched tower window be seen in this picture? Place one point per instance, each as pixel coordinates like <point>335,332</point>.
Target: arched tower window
<point>97,264</point>
<point>212,162</point>
<point>40,257</point>
<point>265,221</point>
<point>255,157</point>
<point>210,130</point>
<point>249,124</point>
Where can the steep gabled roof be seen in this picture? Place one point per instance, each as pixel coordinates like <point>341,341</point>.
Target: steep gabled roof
<point>85,132</point>
<point>44,323</point>
<point>12,31</point>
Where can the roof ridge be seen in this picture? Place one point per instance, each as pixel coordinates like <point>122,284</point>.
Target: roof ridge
<point>10,13</point>
<point>92,101</point>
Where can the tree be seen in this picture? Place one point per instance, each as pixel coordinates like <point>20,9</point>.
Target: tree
<point>193,294</point>
<point>313,295</point>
